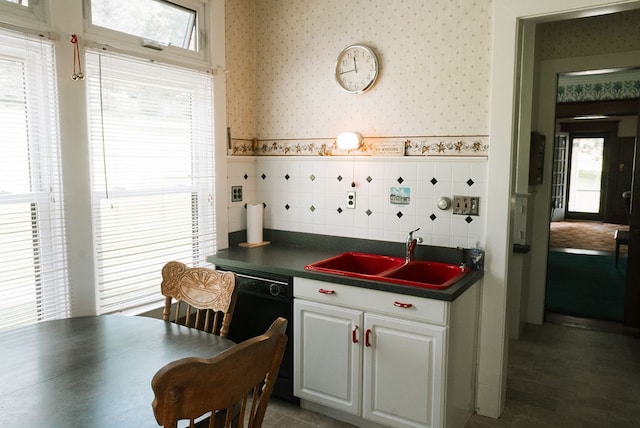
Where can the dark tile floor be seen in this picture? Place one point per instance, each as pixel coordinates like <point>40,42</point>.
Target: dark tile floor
<point>559,375</point>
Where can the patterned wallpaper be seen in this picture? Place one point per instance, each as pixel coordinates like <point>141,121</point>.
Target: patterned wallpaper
<point>605,34</point>
<point>611,86</point>
<point>241,63</point>
<point>618,32</point>
<point>431,99</point>
<point>434,79</point>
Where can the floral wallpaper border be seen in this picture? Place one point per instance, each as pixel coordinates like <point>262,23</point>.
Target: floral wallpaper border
<point>461,145</point>
<point>624,89</point>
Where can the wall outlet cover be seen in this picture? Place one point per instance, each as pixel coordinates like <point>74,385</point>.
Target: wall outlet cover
<point>351,199</point>
<point>236,193</point>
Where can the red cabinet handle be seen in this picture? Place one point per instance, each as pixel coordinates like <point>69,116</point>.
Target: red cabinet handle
<point>354,334</point>
<point>323,291</point>
<point>367,337</point>
<point>402,305</point>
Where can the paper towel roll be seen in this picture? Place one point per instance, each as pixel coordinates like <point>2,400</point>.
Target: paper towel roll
<point>254,223</point>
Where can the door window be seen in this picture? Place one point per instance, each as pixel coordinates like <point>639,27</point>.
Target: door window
<point>586,175</point>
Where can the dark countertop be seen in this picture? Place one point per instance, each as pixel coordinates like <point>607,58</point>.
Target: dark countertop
<point>289,252</point>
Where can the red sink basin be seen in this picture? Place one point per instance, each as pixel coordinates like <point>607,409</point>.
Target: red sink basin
<point>356,264</point>
<point>427,274</point>
<point>417,273</point>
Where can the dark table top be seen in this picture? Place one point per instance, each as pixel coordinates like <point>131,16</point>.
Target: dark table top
<point>91,371</point>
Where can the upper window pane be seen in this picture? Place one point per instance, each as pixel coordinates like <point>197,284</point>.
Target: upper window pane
<point>158,20</point>
<point>18,12</point>
<point>20,2</point>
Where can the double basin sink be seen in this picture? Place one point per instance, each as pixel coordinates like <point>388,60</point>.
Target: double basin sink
<point>396,270</point>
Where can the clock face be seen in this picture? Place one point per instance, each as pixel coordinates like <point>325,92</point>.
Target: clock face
<point>357,69</point>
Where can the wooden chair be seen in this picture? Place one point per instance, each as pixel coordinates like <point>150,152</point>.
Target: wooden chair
<point>208,294</point>
<point>236,380</point>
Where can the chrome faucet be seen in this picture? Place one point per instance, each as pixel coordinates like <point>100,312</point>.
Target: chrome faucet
<point>411,245</point>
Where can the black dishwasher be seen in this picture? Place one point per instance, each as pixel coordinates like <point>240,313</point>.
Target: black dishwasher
<point>261,299</point>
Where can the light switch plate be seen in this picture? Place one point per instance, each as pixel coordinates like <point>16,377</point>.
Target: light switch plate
<point>466,205</point>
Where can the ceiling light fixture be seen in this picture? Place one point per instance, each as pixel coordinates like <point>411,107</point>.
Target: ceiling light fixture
<point>590,117</point>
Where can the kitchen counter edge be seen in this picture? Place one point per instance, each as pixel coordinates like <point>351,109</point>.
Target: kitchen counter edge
<point>290,260</point>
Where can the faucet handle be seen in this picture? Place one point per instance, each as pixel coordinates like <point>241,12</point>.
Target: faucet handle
<point>410,236</point>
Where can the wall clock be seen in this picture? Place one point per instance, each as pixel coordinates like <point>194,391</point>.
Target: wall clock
<point>356,69</point>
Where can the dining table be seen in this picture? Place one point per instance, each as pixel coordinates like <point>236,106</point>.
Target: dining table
<point>91,371</point>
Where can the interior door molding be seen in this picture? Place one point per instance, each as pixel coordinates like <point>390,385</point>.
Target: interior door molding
<point>625,107</point>
<point>632,289</point>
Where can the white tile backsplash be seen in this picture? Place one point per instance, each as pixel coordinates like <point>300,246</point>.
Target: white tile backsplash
<point>289,201</point>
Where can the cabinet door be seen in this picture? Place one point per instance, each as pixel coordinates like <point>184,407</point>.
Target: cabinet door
<point>327,355</point>
<point>403,372</point>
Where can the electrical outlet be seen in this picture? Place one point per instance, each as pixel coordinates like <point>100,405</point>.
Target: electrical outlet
<point>351,200</point>
<point>236,193</point>
<point>466,205</point>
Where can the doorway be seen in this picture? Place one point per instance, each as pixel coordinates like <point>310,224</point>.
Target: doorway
<point>523,101</point>
<point>592,168</point>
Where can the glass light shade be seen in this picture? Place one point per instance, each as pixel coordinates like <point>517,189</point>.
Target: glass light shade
<point>349,140</point>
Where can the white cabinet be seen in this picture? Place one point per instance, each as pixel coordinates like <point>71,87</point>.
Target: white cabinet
<point>402,372</point>
<point>328,355</point>
<point>374,358</point>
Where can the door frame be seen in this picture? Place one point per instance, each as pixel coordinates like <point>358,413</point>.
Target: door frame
<point>632,289</point>
<point>546,74</point>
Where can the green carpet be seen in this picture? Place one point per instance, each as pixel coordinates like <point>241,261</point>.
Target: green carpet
<point>587,286</point>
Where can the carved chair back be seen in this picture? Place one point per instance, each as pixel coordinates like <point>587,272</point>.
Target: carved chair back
<point>205,298</point>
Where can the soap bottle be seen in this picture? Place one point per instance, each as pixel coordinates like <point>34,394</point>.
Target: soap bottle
<point>476,256</point>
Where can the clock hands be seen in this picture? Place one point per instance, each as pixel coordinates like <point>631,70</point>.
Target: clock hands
<point>355,67</point>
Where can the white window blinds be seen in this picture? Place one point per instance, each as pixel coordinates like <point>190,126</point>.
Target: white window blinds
<point>152,157</point>
<point>33,255</point>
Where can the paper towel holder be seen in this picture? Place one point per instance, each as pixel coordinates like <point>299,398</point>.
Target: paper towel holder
<point>260,242</point>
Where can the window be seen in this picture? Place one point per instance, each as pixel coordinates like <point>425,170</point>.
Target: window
<point>152,156</point>
<point>585,180</point>
<point>156,20</point>
<point>154,28</point>
<point>20,11</point>
<point>33,255</point>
